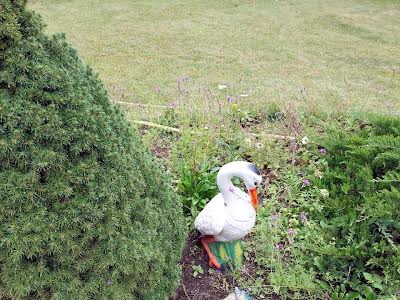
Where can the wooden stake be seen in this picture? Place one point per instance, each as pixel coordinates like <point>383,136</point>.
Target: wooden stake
<point>173,129</point>
<point>141,104</point>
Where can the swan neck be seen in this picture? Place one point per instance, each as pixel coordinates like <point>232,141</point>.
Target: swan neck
<point>224,180</point>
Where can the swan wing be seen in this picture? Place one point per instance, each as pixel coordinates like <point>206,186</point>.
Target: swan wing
<point>242,195</point>
<point>211,219</point>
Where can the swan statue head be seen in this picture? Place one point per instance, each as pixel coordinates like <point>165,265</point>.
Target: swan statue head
<point>244,170</point>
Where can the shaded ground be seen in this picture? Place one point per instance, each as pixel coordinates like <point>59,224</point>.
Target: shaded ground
<point>214,286</point>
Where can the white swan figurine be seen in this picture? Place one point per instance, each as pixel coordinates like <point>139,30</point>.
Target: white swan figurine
<point>231,214</point>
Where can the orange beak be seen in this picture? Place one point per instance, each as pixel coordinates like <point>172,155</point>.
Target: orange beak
<point>254,198</point>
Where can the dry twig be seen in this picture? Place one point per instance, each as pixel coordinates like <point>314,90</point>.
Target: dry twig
<point>173,129</point>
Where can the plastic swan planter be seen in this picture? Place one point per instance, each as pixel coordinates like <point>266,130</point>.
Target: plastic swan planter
<point>231,214</point>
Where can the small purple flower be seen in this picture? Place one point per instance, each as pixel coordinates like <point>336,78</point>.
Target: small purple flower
<point>230,99</point>
<point>171,105</point>
<point>109,281</point>
<point>294,147</point>
<point>303,217</point>
<point>275,217</point>
<point>322,151</point>
<point>182,79</point>
<point>389,105</point>
<point>306,182</point>
<point>231,189</point>
<point>279,246</point>
<point>291,232</point>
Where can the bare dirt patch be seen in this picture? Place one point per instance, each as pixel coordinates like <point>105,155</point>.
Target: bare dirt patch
<point>203,286</point>
<point>212,285</point>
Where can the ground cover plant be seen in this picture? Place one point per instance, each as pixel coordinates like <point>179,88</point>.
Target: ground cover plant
<point>328,228</point>
<point>361,213</point>
<point>85,210</point>
<point>332,222</point>
<point>276,83</point>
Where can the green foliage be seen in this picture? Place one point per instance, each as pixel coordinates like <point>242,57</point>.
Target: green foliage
<point>197,270</point>
<point>195,160</point>
<point>362,214</point>
<point>330,224</point>
<point>197,186</point>
<point>85,211</point>
<point>283,224</point>
<point>10,29</point>
<point>274,113</point>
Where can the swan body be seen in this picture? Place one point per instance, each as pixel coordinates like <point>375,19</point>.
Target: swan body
<point>231,214</point>
<point>227,221</point>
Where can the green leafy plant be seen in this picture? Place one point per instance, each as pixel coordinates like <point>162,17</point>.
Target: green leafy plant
<point>85,210</point>
<point>361,215</point>
<point>330,226</point>
<point>274,113</point>
<point>197,186</point>
<point>197,270</point>
<point>283,224</point>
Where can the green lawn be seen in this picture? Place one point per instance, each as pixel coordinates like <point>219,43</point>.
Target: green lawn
<point>333,55</point>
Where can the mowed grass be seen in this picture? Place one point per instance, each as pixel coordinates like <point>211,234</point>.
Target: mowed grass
<point>320,55</point>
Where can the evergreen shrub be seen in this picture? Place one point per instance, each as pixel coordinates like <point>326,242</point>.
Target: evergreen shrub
<point>330,227</point>
<point>360,220</point>
<point>85,210</point>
